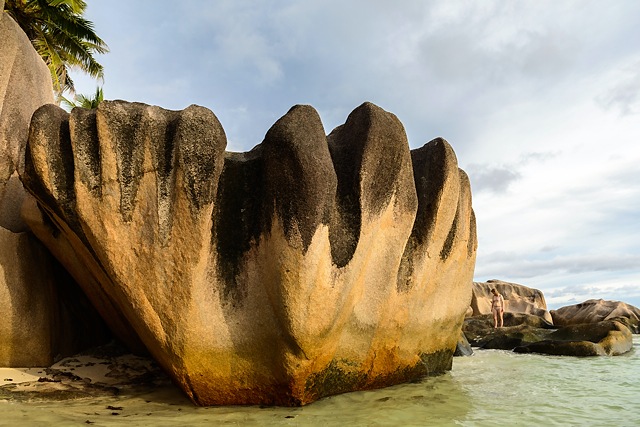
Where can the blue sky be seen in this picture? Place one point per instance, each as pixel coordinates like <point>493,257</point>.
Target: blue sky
<point>540,100</point>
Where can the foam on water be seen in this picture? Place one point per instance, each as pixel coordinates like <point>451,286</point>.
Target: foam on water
<point>492,387</point>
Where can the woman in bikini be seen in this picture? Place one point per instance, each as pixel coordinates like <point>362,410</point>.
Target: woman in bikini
<point>497,308</point>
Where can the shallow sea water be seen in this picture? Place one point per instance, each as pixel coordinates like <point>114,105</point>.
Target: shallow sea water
<point>492,387</point>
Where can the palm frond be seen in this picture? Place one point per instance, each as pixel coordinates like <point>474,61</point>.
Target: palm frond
<point>61,36</point>
<point>83,101</point>
<point>66,103</point>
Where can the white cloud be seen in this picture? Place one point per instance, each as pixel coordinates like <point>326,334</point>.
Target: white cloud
<point>623,94</point>
<point>491,178</point>
<point>526,266</point>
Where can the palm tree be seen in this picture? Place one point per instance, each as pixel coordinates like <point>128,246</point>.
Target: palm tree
<point>62,37</point>
<point>84,101</point>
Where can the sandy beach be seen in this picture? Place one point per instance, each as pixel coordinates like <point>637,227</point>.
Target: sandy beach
<point>103,371</point>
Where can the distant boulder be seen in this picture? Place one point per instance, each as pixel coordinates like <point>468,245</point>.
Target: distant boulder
<point>524,333</point>
<point>519,329</point>
<point>597,310</point>
<point>517,298</point>
<point>606,338</point>
<point>528,324</point>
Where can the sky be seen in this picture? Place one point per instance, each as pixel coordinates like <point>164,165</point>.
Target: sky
<point>539,99</point>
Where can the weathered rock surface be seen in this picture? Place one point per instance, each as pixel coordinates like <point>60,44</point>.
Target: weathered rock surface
<point>36,325</point>
<point>463,348</point>
<point>309,266</point>
<point>597,310</point>
<point>606,338</point>
<point>25,85</point>
<point>524,333</point>
<point>24,331</point>
<point>519,329</point>
<point>25,296</point>
<point>517,298</point>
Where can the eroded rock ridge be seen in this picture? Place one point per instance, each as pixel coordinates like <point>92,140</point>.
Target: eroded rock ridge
<point>309,266</point>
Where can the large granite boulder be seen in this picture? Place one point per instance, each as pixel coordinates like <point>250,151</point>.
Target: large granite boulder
<point>25,85</point>
<point>597,310</point>
<point>605,338</point>
<point>309,266</point>
<point>37,325</point>
<point>517,298</point>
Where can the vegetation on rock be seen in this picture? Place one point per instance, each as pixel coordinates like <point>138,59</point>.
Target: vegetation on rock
<point>88,102</point>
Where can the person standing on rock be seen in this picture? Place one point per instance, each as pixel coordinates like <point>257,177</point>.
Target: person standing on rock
<point>497,308</point>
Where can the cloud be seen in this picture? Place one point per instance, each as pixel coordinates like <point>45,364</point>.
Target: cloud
<point>624,94</point>
<point>527,265</point>
<point>499,178</point>
<point>488,178</point>
<point>577,293</point>
<point>537,157</point>
<point>593,289</point>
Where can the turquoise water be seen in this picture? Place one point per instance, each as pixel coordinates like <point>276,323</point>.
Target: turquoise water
<point>493,387</point>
